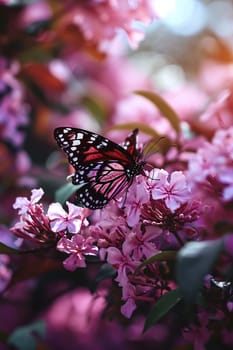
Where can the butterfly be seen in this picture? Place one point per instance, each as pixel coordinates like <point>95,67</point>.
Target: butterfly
<point>103,167</point>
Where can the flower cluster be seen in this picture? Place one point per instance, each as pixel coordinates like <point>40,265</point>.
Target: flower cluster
<point>212,165</point>
<point>157,215</point>
<point>99,22</point>
<point>54,227</point>
<point>13,111</point>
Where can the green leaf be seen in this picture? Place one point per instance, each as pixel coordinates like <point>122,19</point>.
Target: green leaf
<point>26,337</point>
<point>158,142</point>
<point>162,307</point>
<point>106,271</point>
<point>64,192</point>
<point>163,256</point>
<point>4,249</point>
<point>95,106</point>
<point>155,145</point>
<point>194,261</point>
<point>141,126</point>
<point>166,110</point>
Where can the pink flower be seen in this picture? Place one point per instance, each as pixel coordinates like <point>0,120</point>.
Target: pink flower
<point>7,238</point>
<point>13,111</point>
<point>226,179</point>
<point>128,295</point>
<point>34,226</point>
<point>222,71</point>
<point>213,165</point>
<point>137,195</point>
<point>72,221</point>
<point>140,244</point>
<point>122,262</point>
<point>23,204</point>
<point>218,113</point>
<point>229,306</point>
<point>34,12</point>
<point>100,22</point>
<point>128,307</point>
<point>5,272</point>
<point>157,217</point>
<point>173,192</point>
<point>228,244</point>
<point>110,229</point>
<point>77,247</point>
<point>33,223</point>
<point>201,164</point>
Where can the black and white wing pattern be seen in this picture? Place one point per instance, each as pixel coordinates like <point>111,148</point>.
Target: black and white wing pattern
<point>102,166</point>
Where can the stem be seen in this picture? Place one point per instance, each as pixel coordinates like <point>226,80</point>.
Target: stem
<point>178,238</point>
<point>140,297</point>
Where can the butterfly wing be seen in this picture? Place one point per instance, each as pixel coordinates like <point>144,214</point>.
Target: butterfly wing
<point>106,180</point>
<point>104,167</point>
<point>130,144</point>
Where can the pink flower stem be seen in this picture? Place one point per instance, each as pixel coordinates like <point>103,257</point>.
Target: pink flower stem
<point>178,238</point>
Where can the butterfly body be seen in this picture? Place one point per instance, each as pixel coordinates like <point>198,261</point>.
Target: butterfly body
<point>103,167</point>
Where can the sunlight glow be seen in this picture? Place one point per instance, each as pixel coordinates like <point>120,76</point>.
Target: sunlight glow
<point>181,16</point>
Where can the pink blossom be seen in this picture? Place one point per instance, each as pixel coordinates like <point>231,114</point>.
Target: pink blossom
<point>34,226</point>
<point>128,307</point>
<point>101,21</point>
<point>140,245</point>
<point>72,221</point>
<point>226,179</point>
<point>187,100</point>
<point>76,318</point>
<point>157,217</point>
<point>137,195</point>
<point>123,263</point>
<point>228,244</point>
<point>223,73</point>
<point>13,110</point>
<point>223,140</point>
<point>77,247</point>
<point>213,165</point>
<point>219,111</point>
<point>23,204</point>
<point>173,192</point>
<point>22,162</point>
<point>33,223</point>
<point>201,164</point>
<point>34,12</point>
<point>230,306</point>
<point>5,271</point>
<point>110,229</point>
<point>7,238</point>
<point>128,295</point>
